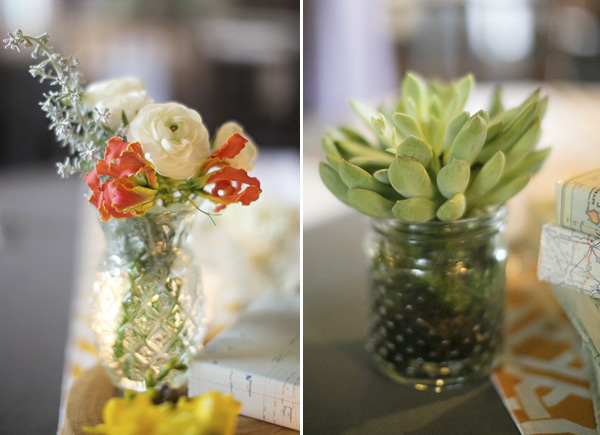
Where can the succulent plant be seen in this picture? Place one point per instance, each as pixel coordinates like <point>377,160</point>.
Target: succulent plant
<point>432,160</point>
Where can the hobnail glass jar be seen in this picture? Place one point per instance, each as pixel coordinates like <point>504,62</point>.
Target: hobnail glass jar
<point>148,304</point>
<point>437,299</point>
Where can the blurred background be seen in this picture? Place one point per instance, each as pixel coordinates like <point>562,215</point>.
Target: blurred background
<point>231,59</point>
<point>362,48</point>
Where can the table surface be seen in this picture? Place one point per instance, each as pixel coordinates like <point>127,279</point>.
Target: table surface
<point>343,392</point>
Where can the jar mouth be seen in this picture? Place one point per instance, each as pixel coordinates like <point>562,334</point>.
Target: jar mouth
<point>493,220</point>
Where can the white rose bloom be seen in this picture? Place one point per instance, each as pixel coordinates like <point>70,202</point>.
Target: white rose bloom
<point>173,137</point>
<point>245,159</point>
<point>119,95</point>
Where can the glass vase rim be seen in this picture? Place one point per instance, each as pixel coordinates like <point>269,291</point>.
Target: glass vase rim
<point>496,215</point>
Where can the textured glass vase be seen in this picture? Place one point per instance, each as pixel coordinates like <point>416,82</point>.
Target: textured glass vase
<point>437,299</point>
<point>148,303</point>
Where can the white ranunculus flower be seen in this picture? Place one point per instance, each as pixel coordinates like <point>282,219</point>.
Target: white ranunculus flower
<point>173,137</point>
<point>126,94</point>
<point>245,159</point>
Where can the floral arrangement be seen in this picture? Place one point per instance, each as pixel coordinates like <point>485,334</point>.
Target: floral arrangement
<point>432,160</point>
<point>137,154</point>
<point>162,411</point>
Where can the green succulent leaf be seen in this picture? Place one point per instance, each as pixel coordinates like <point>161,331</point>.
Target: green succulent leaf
<point>496,107</point>
<point>348,149</point>
<point>354,136</point>
<point>453,209</point>
<point>370,203</point>
<point>487,177</point>
<point>382,176</point>
<point>355,177</point>
<point>525,144</point>
<point>372,165</point>
<point>494,130</point>
<point>367,114</point>
<point>462,89</point>
<point>453,128</point>
<point>414,88</point>
<point>406,125</point>
<point>410,178</point>
<point>468,142</point>
<point>530,165</point>
<point>510,134</point>
<point>329,147</point>
<point>333,161</point>
<point>417,149</point>
<point>332,180</point>
<point>453,178</point>
<point>504,191</point>
<point>414,210</point>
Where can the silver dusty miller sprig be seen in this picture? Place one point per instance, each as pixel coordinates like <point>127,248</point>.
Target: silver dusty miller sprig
<point>81,130</point>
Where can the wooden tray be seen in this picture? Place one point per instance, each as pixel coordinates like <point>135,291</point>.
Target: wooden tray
<point>92,390</point>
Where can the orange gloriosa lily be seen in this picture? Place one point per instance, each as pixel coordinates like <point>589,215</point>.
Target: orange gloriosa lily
<point>130,181</point>
<point>228,181</point>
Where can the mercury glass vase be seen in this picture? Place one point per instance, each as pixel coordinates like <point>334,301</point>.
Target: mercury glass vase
<point>148,302</point>
<point>437,299</point>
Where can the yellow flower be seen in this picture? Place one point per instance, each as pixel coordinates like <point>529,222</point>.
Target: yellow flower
<point>209,414</point>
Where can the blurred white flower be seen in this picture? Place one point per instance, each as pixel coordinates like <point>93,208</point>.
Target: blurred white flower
<point>173,138</point>
<point>126,94</point>
<point>245,159</point>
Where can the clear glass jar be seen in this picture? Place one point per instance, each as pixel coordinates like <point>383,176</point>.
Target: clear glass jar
<point>148,304</point>
<point>437,299</point>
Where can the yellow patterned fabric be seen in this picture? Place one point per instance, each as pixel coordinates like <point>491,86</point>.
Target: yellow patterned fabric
<point>544,381</point>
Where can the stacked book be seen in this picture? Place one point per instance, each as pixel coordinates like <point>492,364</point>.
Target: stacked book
<point>569,257</point>
<point>257,360</point>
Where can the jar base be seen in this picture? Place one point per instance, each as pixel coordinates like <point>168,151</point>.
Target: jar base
<point>436,379</point>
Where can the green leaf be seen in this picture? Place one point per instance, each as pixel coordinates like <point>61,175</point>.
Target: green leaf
<point>487,177</point>
<point>332,180</point>
<point>414,87</point>
<point>494,130</point>
<point>530,165</point>
<point>328,146</point>
<point>354,135</point>
<point>406,125</point>
<point>496,107</point>
<point>370,203</point>
<point>333,161</point>
<point>510,134</point>
<point>382,176</point>
<point>453,128</point>
<point>435,134</point>
<point>417,149</point>
<point>462,89</point>
<point>410,178</point>
<point>414,210</point>
<point>504,191</point>
<point>526,143</point>
<point>468,142</point>
<point>124,119</point>
<point>453,178</point>
<point>355,177</point>
<point>348,149</point>
<point>365,112</point>
<point>453,208</point>
<point>370,164</point>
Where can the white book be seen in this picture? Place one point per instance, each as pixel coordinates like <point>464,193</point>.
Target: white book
<point>257,360</point>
